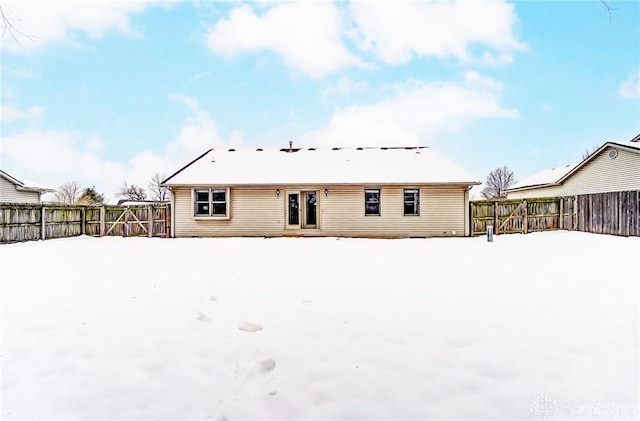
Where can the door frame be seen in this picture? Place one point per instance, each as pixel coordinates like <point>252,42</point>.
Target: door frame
<point>301,209</point>
<point>304,210</point>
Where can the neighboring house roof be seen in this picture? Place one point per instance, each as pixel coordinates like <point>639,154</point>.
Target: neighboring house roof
<point>25,185</point>
<point>393,165</point>
<point>558,175</point>
<point>543,177</point>
<point>125,202</point>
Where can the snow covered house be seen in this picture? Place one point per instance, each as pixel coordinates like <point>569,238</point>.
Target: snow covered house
<point>614,166</point>
<point>14,190</point>
<point>368,192</point>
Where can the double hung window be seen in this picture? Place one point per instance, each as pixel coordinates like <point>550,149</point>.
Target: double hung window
<point>371,202</point>
<point>411,202</point>
<point>210,202</point>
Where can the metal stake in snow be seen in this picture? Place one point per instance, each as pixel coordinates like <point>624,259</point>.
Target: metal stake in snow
<point>490,234</point>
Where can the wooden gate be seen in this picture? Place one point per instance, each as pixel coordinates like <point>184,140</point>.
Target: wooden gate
<point>135,221</point>
<point>515,216</point>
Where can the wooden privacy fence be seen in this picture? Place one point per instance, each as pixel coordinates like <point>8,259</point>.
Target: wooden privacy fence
<point>25,222</point>
<point>523,216</point>
<point>615,213</point>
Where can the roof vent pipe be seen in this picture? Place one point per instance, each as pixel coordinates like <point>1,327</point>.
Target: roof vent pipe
<point>291,146</point>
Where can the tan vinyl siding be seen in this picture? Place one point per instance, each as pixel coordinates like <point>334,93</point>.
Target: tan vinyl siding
<point>539,192</point>
<point>600,175</point>
<point>257,211</point>
<point>9,193</point>
<point>253,212</point>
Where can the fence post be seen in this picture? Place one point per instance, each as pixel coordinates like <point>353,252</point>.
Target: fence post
<point>83,220</point>
<point>561,212</point>
<point>102,218</point>
<point>577,210</point>
<point>43,227</point>
<point>525,221</point>
<point>496,224</point>
<point>570,213</point>
<point>471,214</point>
<point>167,221</point>
<point>125,231</point>
<point>150,213</point>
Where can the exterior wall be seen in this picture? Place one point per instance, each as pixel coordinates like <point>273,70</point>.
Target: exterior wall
<point>600,175</point>
<point>9,193</point>
<point>257,211</point>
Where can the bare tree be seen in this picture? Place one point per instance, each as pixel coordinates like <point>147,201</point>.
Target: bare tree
<point>131,192</point>
<point>8,17</point>
<point>587,152</point>
<point>68,193</point>
<point>607,8</point>
<point>156,190</point>
<point>498,180</point>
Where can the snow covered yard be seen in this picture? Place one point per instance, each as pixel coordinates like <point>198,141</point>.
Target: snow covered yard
<point>538,326</point>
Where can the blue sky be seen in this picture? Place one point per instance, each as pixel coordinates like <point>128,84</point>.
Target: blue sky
<point>103,92</point>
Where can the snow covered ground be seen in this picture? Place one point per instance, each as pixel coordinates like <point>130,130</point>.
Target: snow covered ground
<point>538,326</point>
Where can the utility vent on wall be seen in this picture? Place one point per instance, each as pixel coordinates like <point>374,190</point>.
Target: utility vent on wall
<point>613,153</point>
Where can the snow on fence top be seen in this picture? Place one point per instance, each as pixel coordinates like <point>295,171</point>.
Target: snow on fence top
<point>419,165</point>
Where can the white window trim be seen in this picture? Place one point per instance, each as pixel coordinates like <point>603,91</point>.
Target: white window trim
<point>379,201</point>
<point>225,217</point>
<point>404,202</point>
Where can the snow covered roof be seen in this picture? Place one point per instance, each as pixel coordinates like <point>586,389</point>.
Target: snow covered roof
<point>125,202</point>
<point>397,165</point>
<point>634,144</point>
<point>544,177</point>
<point>26,185</point>
<point>557,175</point>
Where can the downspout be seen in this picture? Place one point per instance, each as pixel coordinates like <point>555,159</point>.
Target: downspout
<point>173,214</point>
<point>467,214</point>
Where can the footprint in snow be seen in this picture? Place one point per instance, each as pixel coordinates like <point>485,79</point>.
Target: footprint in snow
<point>203,317</point>
<point>265,366</point>
<point>251,370</point>
<point>249,327</point>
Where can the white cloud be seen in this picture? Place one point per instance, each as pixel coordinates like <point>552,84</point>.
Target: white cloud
<point>38,23</point>
<point>396,31</point>
<point>199,76</point>
<point>31,153</point>
<point>10,113</point>
<point>185,100</point>
<point>630,88</point>
<point>496,60</point>
<point>344,88</point>
<point>307,35</point>
<point>199,133</point>
<point>19,72</point>
<point>416,110</point>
